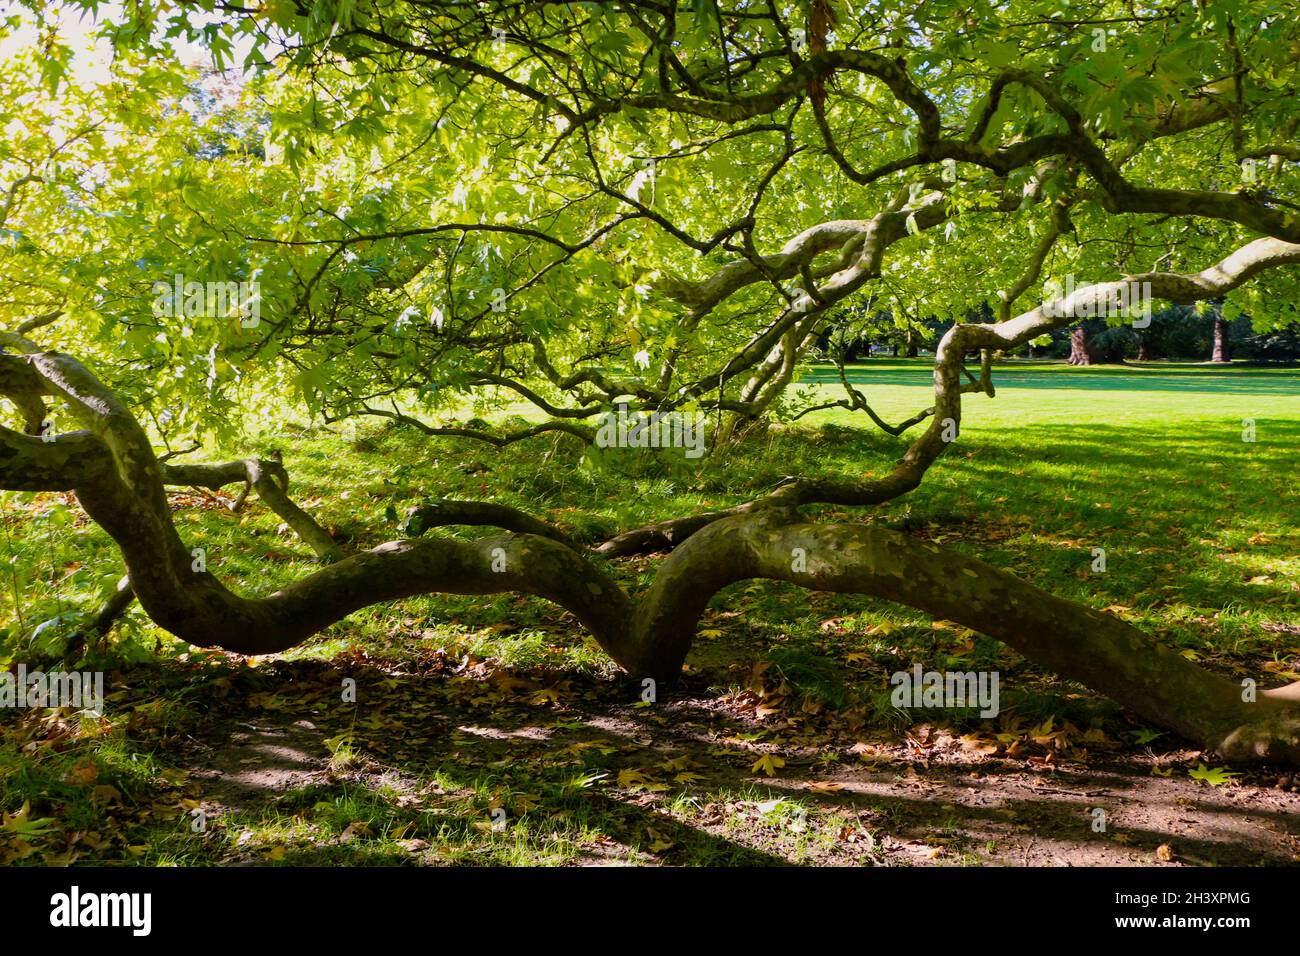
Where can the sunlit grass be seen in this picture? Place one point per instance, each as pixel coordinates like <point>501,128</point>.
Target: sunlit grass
<point>1200,529</point>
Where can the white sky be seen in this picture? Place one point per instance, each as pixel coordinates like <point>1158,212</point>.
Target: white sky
<point>93,56</point>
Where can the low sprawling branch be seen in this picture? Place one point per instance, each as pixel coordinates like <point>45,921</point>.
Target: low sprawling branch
<point>121,484</point>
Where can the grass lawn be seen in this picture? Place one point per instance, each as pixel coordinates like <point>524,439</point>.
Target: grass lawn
<point>491,730</point>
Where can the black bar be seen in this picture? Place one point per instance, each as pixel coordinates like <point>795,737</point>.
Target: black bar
<point>333,906</point>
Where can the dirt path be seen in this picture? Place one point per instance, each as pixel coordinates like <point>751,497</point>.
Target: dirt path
<point>682,782</point>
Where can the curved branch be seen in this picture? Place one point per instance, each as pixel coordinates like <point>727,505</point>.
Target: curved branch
<point>1103,652</point>
<point>582,433</point>
<point>122,490</point>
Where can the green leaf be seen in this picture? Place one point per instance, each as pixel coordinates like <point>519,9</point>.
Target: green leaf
<point>1215,778</point>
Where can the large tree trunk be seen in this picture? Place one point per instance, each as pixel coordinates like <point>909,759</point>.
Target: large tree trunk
<point>1080,350</point>
<point>120,483</point>
<point>1099,650</point>
<point>1222,347</point>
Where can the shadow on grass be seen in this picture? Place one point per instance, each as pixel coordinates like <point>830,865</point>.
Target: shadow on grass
<point>581,781</point>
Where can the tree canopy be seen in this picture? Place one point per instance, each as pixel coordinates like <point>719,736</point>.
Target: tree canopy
<point>577,203</point>
<point>583,206</point>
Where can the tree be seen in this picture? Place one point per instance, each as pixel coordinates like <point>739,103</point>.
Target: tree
<point>1080,347</point>
<point>1222,349</point>
<point>1144,353</point>
<point>668,203</point>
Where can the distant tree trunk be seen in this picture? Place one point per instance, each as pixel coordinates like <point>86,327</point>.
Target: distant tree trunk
<point>1144,350</point>
<point>1222,348</point>
<point>1080,352</point>
<point>911,346</point>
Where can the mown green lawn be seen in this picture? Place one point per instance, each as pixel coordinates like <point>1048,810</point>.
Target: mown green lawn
<point>1200,529</point>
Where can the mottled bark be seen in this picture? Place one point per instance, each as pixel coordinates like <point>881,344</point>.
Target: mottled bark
<point>1080,349</point>
<point>1099,650</point>
<point>1222,347</point>
<point>121,485</point>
